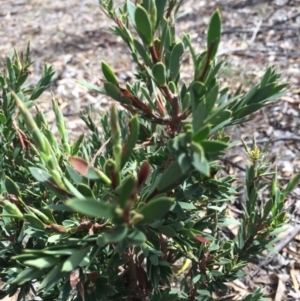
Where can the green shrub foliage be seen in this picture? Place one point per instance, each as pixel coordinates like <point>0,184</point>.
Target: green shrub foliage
<point>136,210</point>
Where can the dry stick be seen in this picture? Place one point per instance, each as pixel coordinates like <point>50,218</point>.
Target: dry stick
<point>99,151</point>
<point>255,32</point>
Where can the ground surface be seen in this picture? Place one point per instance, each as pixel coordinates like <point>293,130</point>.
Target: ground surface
<point>74,37</point>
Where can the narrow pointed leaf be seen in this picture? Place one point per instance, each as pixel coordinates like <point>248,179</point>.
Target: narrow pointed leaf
<point>214,33</point>
<point>91,207</point>
<point>109,74</point>
<point>213,146</point>
<point>292,184</point>
<point>52,278</point>
<point>12,187</point>
<point>156,209</point>
<point>34,222</point>
<point>170,177</point>
<point>132,139</point>
<point>75,259</point>
<point>43,262</point>
<point>160,8</point>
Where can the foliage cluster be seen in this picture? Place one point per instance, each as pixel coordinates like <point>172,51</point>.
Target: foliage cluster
<point>137,211</point>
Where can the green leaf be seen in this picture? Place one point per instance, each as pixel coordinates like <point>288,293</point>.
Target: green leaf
<point>176,54</point>
<point>109,74</point>
<point>198,116</point>
<point>42,262</point>
<point>12,187</point>
<point>156,209</point>
<point>167,230</point>
<point>262,94</point>
<point>61,126</point>
<point>131,11</point>
<point>214,33</point>
<point>184,162</point>
<point>2,119</point>
<point>292,184</point>
<point>228,221</point>
<point>187,206</point>
<point>74,175</point>
<point>267,208</point>
<point>75,259</point>
<point>90,86</point>
<point>105,289</point>
<point>34,222</point>
<point>247,110</point>
<point>199,161</point>
<point>170,177</point>
<point>76,145</point>
<point>37,136</point>
<point>211,99</point>
<point>96,174</point>
<point>201,134</point>
<point>142,52</point>
<point>51,278</point>
<point>134,127</point>
<point>27,275</point>
<point>125,189</point>
<point>154,259</point>
<point>143,25</point>
<point>38,214</point>
<point>160,8</point>
<point>244,101</point>
<point>113,91</point>
<point>213,72</point>
<point>136,237</point>
<point>115,235</point>
<point>152,14</point>
<point>46,179</point>
<point>71,188</point>
<point>60,250</point>
<point>159,73</point>
<point>12,209</point>
<point>91,207</point>
<point>85,190</point>
<point>213,146</point>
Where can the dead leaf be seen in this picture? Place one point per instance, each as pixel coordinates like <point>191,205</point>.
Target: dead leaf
<point>80,165</point>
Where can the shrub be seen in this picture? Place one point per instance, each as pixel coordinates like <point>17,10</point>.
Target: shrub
<point>136,211</point>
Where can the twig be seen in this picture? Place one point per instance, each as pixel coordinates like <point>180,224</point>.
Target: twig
<point>99,151</point>
<point>255,32</point>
